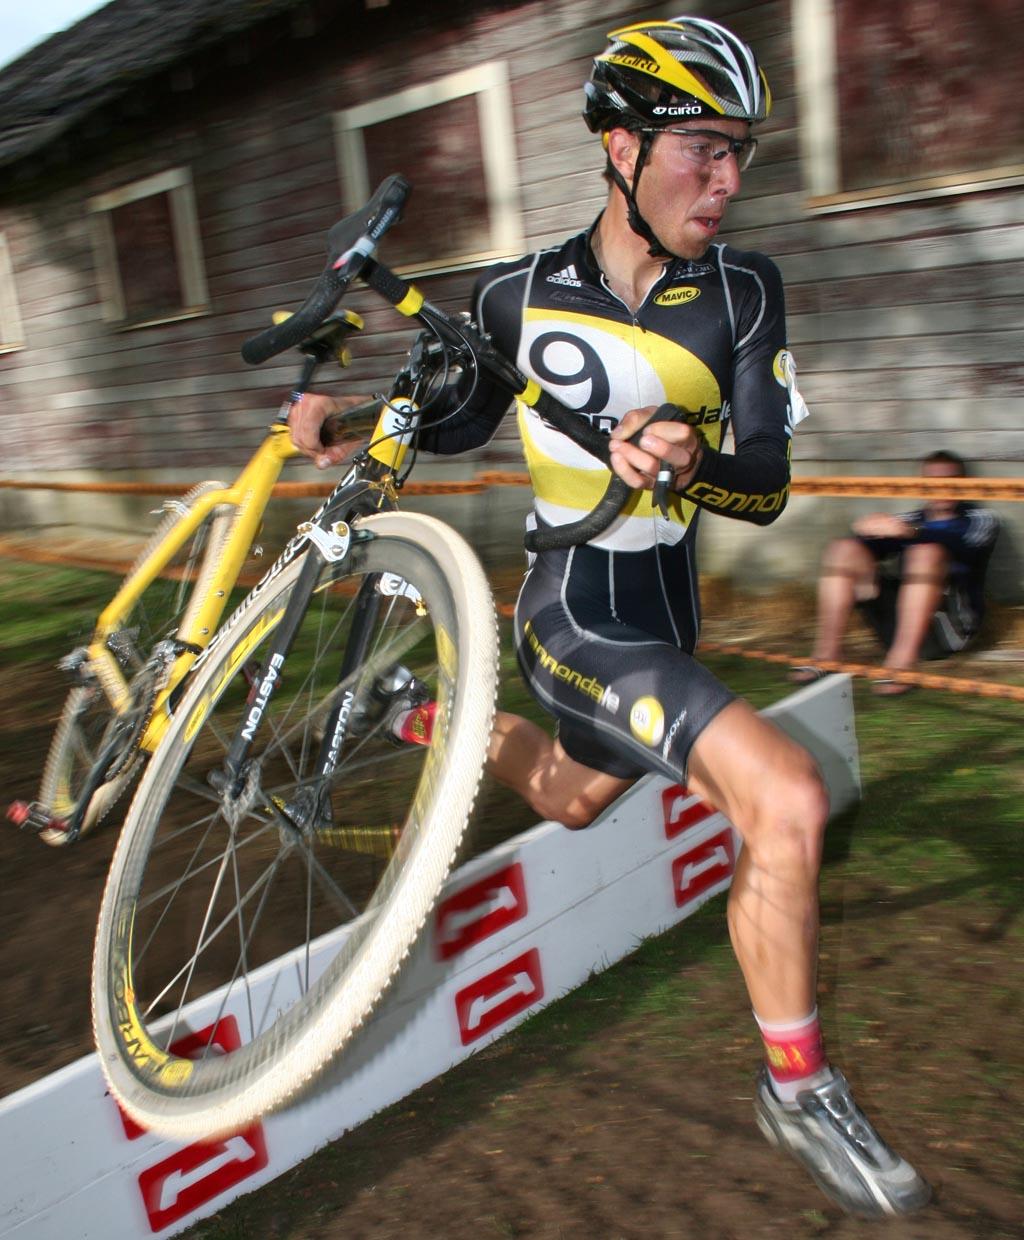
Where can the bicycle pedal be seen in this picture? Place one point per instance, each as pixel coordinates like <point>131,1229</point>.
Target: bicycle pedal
<point>34,816</point>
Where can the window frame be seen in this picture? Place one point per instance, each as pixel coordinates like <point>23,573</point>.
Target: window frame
<point>177,184</point>
<point>489,82</point>
<point>12,332</point>
<point>814,47</point>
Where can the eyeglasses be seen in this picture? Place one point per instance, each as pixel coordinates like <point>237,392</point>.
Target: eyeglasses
<point>707,146</point>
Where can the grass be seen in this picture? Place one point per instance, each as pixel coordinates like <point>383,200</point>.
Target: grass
<point>44,611</point>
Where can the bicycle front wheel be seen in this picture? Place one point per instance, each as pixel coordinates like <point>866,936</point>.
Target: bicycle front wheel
<point>73,789</point>
<point>291,903</point>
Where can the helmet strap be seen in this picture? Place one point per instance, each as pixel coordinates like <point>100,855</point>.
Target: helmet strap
<point>636,221</point>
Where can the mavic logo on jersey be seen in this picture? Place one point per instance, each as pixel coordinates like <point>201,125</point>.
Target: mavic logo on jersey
<point>686,109</point>
<point>678,295</point>
<point>566,276</point>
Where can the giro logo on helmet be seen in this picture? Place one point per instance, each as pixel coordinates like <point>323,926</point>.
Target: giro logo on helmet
<point>688,109</point>
<point>633,61</point>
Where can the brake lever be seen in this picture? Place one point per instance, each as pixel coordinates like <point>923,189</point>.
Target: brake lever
<point>666,473</point>
<point>662,485</point>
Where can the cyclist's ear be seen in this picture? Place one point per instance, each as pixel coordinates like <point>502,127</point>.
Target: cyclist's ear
<point>622,147</point>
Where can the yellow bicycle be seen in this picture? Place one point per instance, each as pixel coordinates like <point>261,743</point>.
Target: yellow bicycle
<point>146,640</point>
<point>284,849</point>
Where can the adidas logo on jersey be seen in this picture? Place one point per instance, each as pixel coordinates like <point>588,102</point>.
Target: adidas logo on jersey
<point>566,276</point>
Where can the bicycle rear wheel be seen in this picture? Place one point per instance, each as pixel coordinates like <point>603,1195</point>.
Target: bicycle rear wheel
<point>292,908</point>
<point>88,719</point>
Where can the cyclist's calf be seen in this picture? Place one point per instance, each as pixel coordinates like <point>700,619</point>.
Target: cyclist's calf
<point>526,759</point>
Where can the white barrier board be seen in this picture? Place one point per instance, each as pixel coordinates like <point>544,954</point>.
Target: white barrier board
<point>515,929</point>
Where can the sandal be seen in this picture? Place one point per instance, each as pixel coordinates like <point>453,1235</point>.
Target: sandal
<point>806,674</point>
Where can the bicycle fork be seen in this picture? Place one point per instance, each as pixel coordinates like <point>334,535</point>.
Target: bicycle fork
<point>238,779</point>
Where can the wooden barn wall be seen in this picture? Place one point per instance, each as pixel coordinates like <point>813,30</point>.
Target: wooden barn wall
<point>906,321</point>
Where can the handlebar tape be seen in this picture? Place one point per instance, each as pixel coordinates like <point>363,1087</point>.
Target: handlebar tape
<point>405,297</point>
<point>608,507</point>
<point>350,243</point>
<point>317,307</point>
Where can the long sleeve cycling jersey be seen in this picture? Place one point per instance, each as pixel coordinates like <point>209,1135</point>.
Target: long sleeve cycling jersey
<point>708,337</point>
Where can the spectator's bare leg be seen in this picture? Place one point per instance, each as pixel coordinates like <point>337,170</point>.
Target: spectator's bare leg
<point>848,573</point>
<point>922,585</point>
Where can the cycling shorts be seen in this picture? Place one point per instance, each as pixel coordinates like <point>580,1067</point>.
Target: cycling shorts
<point>603,653</point>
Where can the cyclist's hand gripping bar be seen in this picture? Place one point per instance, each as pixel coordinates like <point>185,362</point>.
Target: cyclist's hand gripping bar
<point>618,491</point>
<point>350,243</point>
<point>352,424</point>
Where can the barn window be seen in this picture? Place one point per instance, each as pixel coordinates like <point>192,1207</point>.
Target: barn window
<point>11,336</point>
<point>903,99</point>
<point>453,140</point>
<point>148,253</point>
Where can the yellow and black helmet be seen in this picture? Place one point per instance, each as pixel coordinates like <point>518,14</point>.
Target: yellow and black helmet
<point>670,72</point>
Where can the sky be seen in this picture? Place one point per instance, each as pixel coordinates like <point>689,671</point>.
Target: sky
<point>23,25</point>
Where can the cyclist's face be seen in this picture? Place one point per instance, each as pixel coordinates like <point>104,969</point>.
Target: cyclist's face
<point>682,201</point>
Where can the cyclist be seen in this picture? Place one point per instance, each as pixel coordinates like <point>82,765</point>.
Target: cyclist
<point>646,307</point>
<point>918,579</point>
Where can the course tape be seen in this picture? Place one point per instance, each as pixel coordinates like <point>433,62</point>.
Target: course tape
<point>852,486</point>
<point>856,487</point>
<point>923,680</point>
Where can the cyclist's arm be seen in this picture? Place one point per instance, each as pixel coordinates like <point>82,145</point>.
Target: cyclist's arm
<point>474,405</point>
<point>466,416</point>
<point>752,483</point>
<point>968,536</point>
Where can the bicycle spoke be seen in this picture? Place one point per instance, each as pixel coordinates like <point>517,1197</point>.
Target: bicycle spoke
<point>330,886</point>
<point>189,966</point>
<point>204,939</point>
<point>175,888</point>
<point>180,881</point>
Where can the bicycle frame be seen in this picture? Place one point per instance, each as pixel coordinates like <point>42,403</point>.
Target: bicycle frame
<point>249,495</point>
<point>367,487</point>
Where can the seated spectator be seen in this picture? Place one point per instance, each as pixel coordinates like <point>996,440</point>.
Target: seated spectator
<point>917,579</point>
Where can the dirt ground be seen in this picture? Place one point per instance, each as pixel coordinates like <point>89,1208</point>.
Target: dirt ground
<point>646,1130</point>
